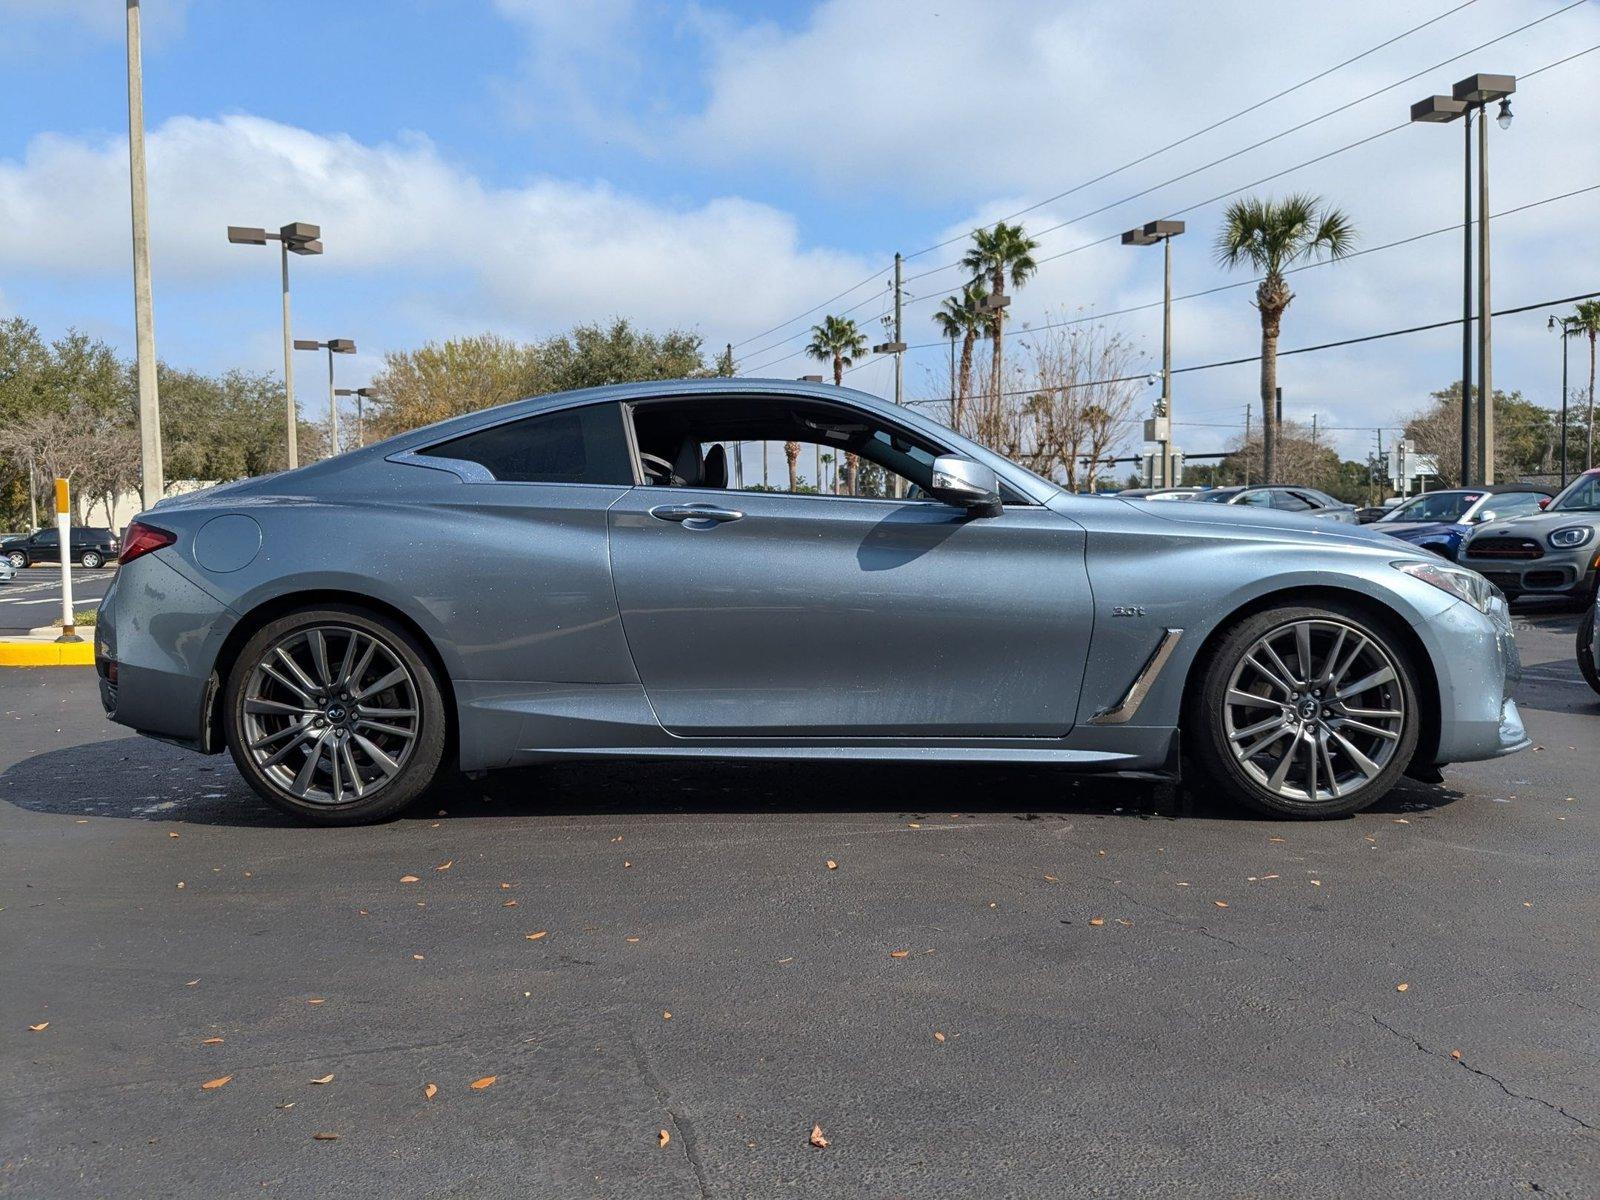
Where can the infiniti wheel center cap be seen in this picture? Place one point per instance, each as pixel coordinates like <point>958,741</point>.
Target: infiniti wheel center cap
<point>1309,708</point>
<point>336,713</point>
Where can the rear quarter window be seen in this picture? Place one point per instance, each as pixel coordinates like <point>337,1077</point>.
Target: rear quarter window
<point>574,445</point>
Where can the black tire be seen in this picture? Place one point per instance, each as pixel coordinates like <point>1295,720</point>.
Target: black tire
<point>18,559</point>
<point>1207,735</point>
<point>92,559</point>
<point>1586,662</point>
<point>416,770</point>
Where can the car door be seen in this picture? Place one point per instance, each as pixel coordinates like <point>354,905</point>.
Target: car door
<point>45,546</point>
<point>789,615</point>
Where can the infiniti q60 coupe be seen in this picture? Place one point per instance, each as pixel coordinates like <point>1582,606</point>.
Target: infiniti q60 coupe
<point>603,574</point>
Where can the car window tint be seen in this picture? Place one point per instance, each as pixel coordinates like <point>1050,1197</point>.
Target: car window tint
<point>1260,499</point>
<point>1290,502</point>
<point>1582,496</point>
<point>575,445</point>
<point>1513,503</point>
<point>48,537</point>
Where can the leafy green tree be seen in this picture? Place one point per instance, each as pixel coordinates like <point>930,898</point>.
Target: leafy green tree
<point>998,253</point>
<point>1585,322</point>
<point>1526,435</point>
<point>963,316</point>
<point>1270,237</point>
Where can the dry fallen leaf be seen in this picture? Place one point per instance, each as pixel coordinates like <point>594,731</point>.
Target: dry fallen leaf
<point>832,866</point>
<point>1400,987</point>
<point>1277,839</point>
<point>898,953</point>
<point>666,1016</point>
<point>487,1081</point>
<point>1456,1054</point>
<point>1051,879</point>
<point>631,940</point>
<point>627,864</point>
<point>417,957</point>
<point>429,1091</point>
<point>191,983</point>
<point>509,904</point>
<point>534,937</point>
<point>445,866</point>
<point>361,912</point>
<point>325,1136</point>
<point>286,1106</point>
<point>616,839</point>
<point>212,1085</point>
<point>1097,920</point>
<point>817,1139</point>
<point>505,887</point>
<point>408,879</point>
<point>212,1041</point>
<point>172,835</point>
<point>937,1036</point>
<point>1220,903</point>
<point>782,961</point>
<point>324,1079</point>
<point>316,1000</point>
<point>40,1027</point>
<point>663,1138</point>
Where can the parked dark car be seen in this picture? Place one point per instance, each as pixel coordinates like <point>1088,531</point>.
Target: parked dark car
<point>1306,501</point>
<point>1589,646</point>
<point>1438,521</point>
<point>90,547</point>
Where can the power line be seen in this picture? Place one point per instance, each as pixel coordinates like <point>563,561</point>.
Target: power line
<point>1323,74</point>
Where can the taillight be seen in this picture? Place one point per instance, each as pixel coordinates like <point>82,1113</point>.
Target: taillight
<point>142,539</point>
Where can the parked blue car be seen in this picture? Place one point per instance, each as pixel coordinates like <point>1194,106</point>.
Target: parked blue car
<point>1438,521</point>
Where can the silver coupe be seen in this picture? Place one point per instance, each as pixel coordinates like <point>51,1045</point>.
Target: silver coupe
<point>734,568</point>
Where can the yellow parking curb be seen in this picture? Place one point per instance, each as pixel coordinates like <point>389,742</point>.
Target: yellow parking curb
<point>42,652</point>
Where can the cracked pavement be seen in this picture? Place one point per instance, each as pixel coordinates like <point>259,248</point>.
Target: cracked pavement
<point>1138,994</point>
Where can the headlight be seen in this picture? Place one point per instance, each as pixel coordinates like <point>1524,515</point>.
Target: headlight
<point>1571,536</point>
<point>1462,584</point>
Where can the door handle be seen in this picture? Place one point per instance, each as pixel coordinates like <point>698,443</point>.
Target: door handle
<point>695,516</point>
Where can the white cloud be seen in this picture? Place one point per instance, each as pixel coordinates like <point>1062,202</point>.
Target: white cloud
<point>536,256</point>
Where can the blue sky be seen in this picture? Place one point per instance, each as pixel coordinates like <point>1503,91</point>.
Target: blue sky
<point>519,165</point>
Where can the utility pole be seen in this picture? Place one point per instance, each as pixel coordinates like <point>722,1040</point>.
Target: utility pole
<point>1372,481</point>
<point>899,339</point>
<point>1485,337</point>
<point>152,481</point>
<point>1468,458</point>
<point>1245,457</point>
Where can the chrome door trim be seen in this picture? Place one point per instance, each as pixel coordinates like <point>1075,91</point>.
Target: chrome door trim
<point>1123,710</point>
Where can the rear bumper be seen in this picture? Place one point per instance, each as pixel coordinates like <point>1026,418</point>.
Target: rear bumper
<point>156,641</point>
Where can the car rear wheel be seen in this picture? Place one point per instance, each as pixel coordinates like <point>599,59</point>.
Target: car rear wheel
<point>1306,712</point>
<point>92,559</point>
<point>335,716</point>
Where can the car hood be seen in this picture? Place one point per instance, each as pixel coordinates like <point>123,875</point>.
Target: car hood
<point>1536,524</point>
<point>1289,527</point>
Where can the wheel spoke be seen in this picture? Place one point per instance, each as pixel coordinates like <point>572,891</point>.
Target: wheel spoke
<point>352,774</point>
<point>302,680</point>
<point>1246,699</point>
<point>263,743</point>
<point>1278,664</point>
<point>1388,735</point>
<point>1249,731</point>
<point>1302,646</point>
<point>1275,782</point>
<point>283,752</point>
<point>1270,676</point>
<point>384,763</point>
<point>334,789</point>
<point>1371,714</point>
<point>1365,765</point>
<point>1250,752</point>
<point>1367,682</point>
<point>1311,767</point>
<point>1327,766</point>
<point>381,727</point>
<point>342,676</point>
<point>272,671</point>
<point>275,708</point>
<point>1344,668</point>
<point>353,676</point>
<point>363,711</point>
<point>319,656</point>
<point>382,684</point>
<point>308,769</point>
<point>1330,663</point>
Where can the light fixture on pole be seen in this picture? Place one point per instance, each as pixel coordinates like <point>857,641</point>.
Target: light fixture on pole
<point>332,346</point>
<point>298,237</point>
<point>361,393</point>
<point>1149,234</point>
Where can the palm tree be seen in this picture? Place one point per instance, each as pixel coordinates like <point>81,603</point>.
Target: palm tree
<point>997,253</point>
<point>1585,322</point>
<point>1271,236</point>
<point>963,317</point>
<point>836,340</point>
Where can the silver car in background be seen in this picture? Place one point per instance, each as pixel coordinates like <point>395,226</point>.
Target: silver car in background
<point>583,576</point>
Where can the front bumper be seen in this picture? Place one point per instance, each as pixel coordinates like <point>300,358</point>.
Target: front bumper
<point>1555,573</point>
<point>1477,665</point>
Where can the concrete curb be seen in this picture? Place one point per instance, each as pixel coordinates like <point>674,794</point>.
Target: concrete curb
<point>45,652</point>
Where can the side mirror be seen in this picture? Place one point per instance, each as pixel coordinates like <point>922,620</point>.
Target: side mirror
<point>1486,516</point>
<point>967,484</point>
<point>1544,503</point>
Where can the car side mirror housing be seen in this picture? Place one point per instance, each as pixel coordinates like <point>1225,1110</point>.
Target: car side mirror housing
<point>1486,516</point>
<point>966,484</point>
<point>1544,503</point>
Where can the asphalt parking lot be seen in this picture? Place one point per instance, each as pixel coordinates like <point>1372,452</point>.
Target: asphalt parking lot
<point>976,982</point>
<point>33,597</point>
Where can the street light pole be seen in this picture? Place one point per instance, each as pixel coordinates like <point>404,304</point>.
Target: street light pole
<point>1563,324</point>
<point>1148,235</point>
<point>298,237</point>
<point>1485,336</point>
<point>152,478</point>
<point>361,393</point>
<point>332,346</point>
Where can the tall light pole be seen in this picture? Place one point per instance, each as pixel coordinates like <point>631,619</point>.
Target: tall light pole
<point>152,477</point>
<point>360,394</point>
<point>297,237</point>
<point>1472,95</point>
<point>1148,235</point>
<point>332,346</point>
<point>1564,324</point>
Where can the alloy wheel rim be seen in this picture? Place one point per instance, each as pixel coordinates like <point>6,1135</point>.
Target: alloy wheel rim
<point>330,714</point>
<point>1315,710</point>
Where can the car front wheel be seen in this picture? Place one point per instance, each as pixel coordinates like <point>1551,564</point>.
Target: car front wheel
<point>92,559</point>
<point>335,716</point>
<point>17,559</point>
<point>1305,712</point>
<point>1586,656</point>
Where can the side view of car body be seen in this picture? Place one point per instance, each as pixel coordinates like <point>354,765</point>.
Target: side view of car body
<point>1306,501</point>
<point>1439,521</point>
<point>88,546</point>
<point>1555,552</point>
<point>596,586</point>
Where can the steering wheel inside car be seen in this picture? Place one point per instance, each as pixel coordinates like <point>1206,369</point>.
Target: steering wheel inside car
<point>657,468</point>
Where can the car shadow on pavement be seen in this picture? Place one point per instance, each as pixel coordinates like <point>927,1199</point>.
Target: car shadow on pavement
<point>146,781</point>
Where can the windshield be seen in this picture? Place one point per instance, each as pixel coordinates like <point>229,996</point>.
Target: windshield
<point>1582,496</point>
<point>1436,506</point>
